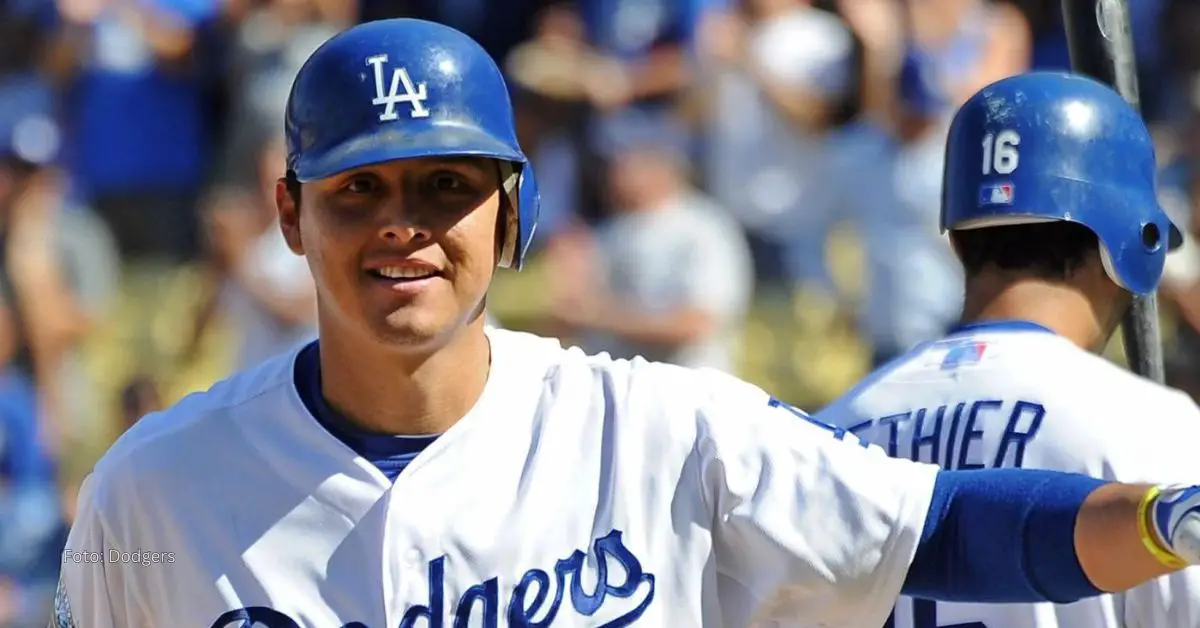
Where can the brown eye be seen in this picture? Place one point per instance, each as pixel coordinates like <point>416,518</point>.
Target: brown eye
<point>361,185</point>
<point>448,182</point>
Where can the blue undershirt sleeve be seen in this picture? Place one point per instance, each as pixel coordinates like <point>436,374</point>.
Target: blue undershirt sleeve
<point>1002,536</point>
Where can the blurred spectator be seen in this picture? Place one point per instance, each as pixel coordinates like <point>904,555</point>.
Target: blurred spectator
<point>780,72</point>
<point>956,47</point>
<point>26,29</point>
<point>264,288</point>
<point>551,111</point>
<point>59,270</point>
<point>595,65</point>
<point>943,51</point>
<point>1050,49</point>
<point>1156,90</point>
<point>1180,287</point>
<point>139,128</point>
<point>497,26</point>
<point>673,275</point>
<point>1179,23</point>
<point>46,248</point>
<point>642,50</point>
<point>32,525</point>
<point>271,41</point>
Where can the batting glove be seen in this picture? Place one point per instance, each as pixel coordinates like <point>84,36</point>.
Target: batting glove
<point>1170,524</point>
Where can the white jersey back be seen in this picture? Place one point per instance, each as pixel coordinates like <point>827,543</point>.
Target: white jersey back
<point>1015,395</point>
<point>579,491</point>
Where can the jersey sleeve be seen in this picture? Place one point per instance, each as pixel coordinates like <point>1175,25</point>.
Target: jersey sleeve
<point>89,593</point>
<point>809,522</point>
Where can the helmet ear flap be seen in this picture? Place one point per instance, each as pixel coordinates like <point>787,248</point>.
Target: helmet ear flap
<point>508,222</point>
<point>521,213</point>
<point>521,206</point>
<point>1134,260</point>
<point>1110,268</point>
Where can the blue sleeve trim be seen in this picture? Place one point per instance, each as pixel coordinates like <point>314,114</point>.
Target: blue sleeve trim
<point>1002,536</point>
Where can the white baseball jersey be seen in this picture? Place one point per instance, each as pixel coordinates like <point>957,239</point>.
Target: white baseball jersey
<point>579,491</point>
<point>1013,394</point>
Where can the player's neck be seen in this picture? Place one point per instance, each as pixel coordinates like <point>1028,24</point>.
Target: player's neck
<point>383,391</point>
<point>1063,309</point>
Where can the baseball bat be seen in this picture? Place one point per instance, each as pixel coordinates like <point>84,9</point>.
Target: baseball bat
<point>1100,41</point>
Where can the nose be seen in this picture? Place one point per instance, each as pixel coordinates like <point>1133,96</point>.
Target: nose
<point>399,225</point>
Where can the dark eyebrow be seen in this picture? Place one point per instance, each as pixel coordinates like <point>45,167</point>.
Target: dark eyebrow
<point>462,160</point>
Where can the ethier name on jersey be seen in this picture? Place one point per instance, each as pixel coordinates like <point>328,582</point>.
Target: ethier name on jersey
<point>579,491</point>
<point>951,435</point>
<point>948,434</point>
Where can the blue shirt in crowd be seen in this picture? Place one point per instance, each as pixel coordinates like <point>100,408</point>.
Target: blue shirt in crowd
<point>137,127</point>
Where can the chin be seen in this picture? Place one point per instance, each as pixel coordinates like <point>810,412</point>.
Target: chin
<point>415,330</point>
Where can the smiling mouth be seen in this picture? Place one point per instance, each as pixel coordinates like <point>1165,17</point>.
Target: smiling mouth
<point>397,274</point>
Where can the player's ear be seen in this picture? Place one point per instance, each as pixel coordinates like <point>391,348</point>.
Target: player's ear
<point>289,215</point>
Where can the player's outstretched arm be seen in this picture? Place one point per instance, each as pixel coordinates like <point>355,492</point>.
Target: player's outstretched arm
<point>1026,536</point>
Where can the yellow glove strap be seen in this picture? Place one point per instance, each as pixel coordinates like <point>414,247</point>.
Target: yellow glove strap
<point>1149,538</point>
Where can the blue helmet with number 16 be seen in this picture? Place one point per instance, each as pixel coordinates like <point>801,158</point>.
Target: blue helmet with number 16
<point>403,89</point>
<point>1048,146</point>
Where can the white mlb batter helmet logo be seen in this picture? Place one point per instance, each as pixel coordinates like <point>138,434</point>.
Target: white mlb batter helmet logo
<point>414,93</point>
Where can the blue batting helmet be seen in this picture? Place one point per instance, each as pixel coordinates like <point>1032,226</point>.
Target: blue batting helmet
<point>1048,146</point>
<point>406,88</point>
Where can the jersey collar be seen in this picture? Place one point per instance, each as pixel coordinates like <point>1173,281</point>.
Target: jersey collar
<point>998,326</point>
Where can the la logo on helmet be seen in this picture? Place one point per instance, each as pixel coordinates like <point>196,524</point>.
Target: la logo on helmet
<point>413,94</point>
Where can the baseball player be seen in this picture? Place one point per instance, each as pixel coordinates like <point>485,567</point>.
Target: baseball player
<point>414,468</point>
<point>1050,202</point>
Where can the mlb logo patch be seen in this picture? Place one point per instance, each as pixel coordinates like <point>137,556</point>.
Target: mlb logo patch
<point>967,353</point>
<point>996,194</point>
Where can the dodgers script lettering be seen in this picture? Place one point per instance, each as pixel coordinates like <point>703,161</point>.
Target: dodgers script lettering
<point>535,600</point>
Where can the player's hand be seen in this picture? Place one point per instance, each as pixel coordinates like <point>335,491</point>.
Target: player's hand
<point>1174,518</point>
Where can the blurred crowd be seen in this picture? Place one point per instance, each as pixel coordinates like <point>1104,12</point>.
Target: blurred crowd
<point>749,185</point>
